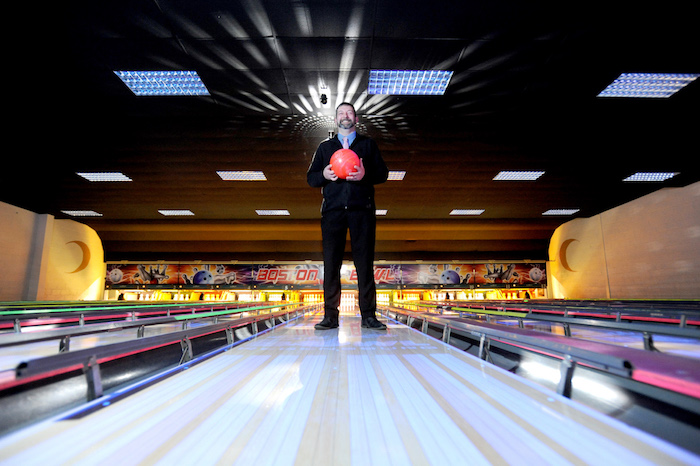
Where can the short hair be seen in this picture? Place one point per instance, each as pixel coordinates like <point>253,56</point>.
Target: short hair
<point>345,103</point>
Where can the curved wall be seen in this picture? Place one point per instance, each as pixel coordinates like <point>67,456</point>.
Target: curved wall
<point>648,248</point>
<point>47,259</point>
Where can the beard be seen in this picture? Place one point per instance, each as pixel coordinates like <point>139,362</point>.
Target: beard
<point>346,123</point>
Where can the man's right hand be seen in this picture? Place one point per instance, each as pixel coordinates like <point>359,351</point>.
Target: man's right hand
<point>329,174</point>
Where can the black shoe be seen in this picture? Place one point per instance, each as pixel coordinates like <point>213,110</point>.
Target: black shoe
<point>372,322</point>
<point>326,324</point>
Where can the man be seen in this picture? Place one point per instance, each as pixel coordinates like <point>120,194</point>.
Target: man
<point>348,205</point>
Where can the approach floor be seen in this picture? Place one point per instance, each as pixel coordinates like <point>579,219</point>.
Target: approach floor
<point>348,396</point>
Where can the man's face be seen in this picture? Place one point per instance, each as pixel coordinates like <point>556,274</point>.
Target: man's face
<point>345,117</point>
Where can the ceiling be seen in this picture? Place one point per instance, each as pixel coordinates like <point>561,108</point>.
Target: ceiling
<point>523,97</point>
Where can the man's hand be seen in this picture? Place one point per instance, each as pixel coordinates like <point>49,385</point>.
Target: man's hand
<point>358,174</point>
<point>329,174</point>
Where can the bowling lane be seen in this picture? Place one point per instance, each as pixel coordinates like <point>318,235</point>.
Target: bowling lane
<point>675,345</point>
<point>11,356</point>
<point>346,396</point>
<point>678,346</point>
<point>687,347</point>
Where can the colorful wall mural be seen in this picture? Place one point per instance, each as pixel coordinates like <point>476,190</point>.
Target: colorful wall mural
<point>310,275</point>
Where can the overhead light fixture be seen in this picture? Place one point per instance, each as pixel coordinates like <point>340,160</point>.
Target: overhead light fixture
<point>245,175</point>
<point>561,212</point>
<point>408,82</point>
<point>325,96</point>
<point>467,211</point>
<point>82,213</point>
<point>647,85</point>
<point>518,176</point>
<point>396,175</point>
<point>653,177</point>
<point>163,83</point>
<point>176,212</point>
<point>104,176</point>
<point>273,212</point>
<point>381,212</point>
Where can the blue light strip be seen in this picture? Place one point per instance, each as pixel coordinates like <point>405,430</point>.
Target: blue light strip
<point>244,175</point>
<point>396,175</point>
<point>647,85</point>
<point>560,212</point>
<point>175,212</point>
<point>104,176</point>
<point>651,176</point>
<point>273,212</point>
<point>518,175</point>
<point>82,213</point>
<point>408,82</point>
<point>467,211</point>
<point>163,83</point>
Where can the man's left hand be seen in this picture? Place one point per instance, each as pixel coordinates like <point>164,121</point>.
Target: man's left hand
<point>358,174</point>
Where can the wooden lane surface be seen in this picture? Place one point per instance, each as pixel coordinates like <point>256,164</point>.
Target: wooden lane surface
<point>349,396</point>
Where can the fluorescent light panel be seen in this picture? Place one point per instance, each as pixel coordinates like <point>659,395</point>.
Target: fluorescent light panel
<point>467,211</point>
<point>396,175</point>
<point>272,212</point>
<point>561,212</point>
<point>647,85</point>
<point>651,176</point>
<point>381,212</point>
<point>175,212</point>
<point>104,176</point>
<point>82,213</point>
<point>242,175</point>
<point>518,176</point>
<point>163,83</point>
<point>408,82</point>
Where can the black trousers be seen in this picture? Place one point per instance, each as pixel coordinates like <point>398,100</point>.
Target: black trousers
<point>334,227</point>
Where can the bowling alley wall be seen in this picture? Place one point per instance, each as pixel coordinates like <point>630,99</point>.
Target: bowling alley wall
<point>48,259</point>
<point>310,275</point>
<point>648,248</point>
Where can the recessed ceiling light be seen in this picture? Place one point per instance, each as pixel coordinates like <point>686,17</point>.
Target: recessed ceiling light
<point>82,213</point>
<point>104,176</point>
<point>163,83</point>
<point>561,212</point>
<point>647,85</point>
<point>175,212</point>
<point>518,176</point>
<point>242,175</point>
<point>651,176</point>
<point>273,212</point>
<point>408,82</point>
<point>396,175</point>
<point>381,212</point>
<point>467,211</point>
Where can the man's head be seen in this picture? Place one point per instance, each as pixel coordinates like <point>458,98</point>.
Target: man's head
<point>345,116</point>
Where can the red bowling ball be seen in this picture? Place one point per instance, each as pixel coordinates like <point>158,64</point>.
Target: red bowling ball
<point>343,162</point>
